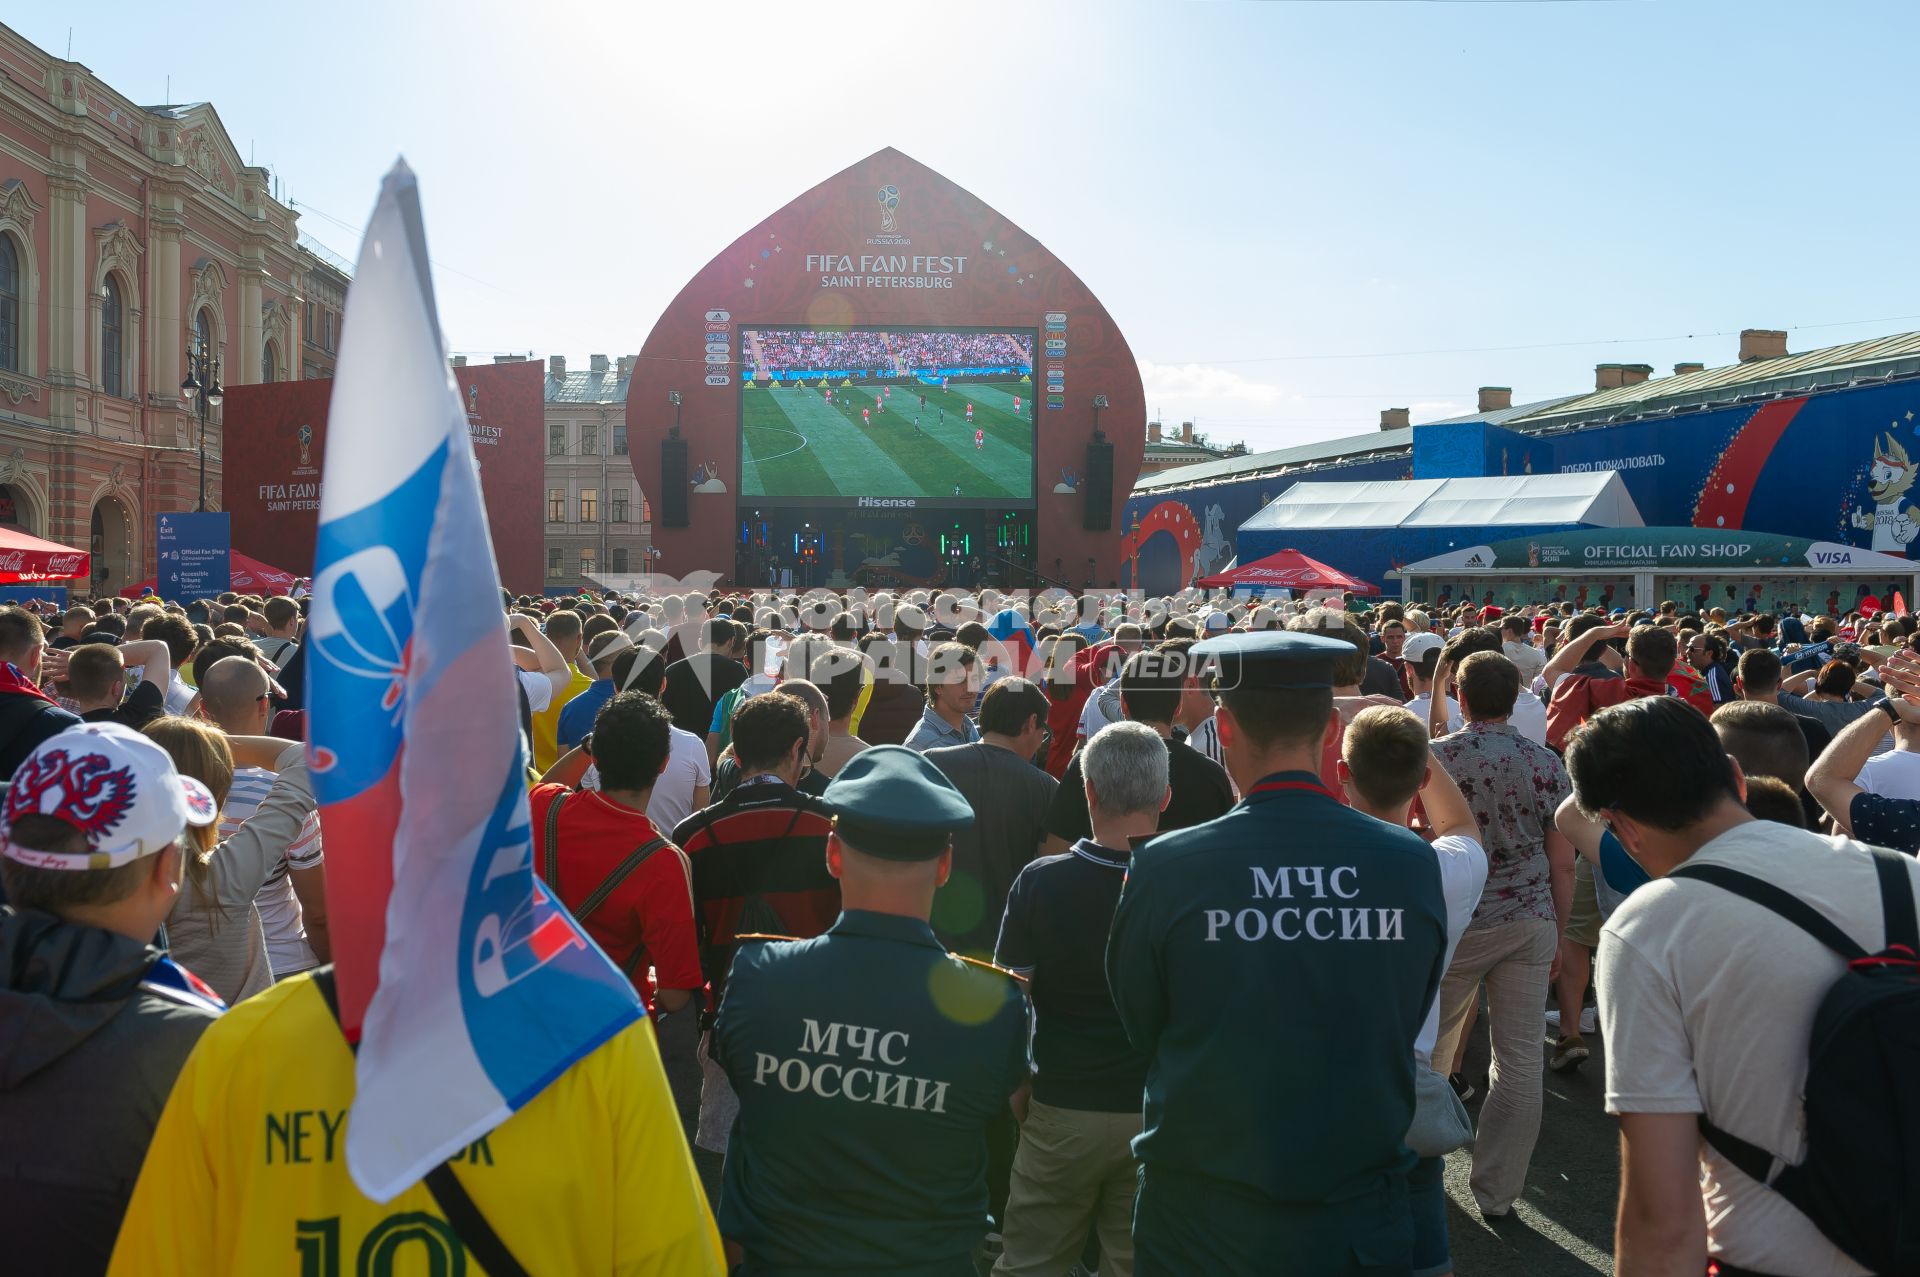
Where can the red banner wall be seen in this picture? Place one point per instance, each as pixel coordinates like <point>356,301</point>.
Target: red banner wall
<point>887,241</point>
<point>276,438</point>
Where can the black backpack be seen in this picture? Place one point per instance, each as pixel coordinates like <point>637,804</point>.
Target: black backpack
<point>1860,1181</point>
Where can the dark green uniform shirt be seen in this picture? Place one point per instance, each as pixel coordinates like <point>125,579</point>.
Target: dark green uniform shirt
<point>868,1062</point>
<point>1276,964</point>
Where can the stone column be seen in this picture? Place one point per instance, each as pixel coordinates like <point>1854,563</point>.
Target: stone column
<point>165,340</point>
<point>68,287</point>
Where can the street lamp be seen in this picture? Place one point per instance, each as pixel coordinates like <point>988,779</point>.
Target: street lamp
<point>202,388</point>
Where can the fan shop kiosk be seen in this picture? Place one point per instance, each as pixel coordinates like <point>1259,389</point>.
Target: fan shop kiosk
<point>1640,567</point>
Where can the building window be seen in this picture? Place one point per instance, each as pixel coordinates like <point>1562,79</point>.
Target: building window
<point>589,439</point>
<point>619,561</point>
<point>619,441</point>
<point>309,333</point>
<point>618,499</point>
<point>586,561</point>
<point>556,506</point>
<point>203,332</point>
<point>589,505</point>
<point>269,362</point>
<point>112,327</point>
<point>9,304</point>
<point>556,560</point>
<point>556,439</point>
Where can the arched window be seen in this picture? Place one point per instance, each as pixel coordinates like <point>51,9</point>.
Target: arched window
<point>112,327</point>
<point>9,304</point>
<point>203,333</point>
<point>269,362</point>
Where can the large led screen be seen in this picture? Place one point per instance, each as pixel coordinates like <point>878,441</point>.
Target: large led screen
<point>850,417</point>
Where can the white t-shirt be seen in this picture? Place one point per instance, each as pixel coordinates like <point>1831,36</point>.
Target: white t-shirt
<point>1707,1004</point>
<point>1463,876</point>
<point>281,918</point>
<point>1422,705</point>
<point>180,695</point>
<point>538,687</point>
<point>672,798</point>
<point>1894,774</point>
<point>1102,708</point>
<point>1528,659</point>
<point>1529,717</point>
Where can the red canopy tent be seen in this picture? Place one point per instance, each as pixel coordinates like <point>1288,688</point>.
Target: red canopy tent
<point>25,558</point>
<point>249,576</point>
<point>1288,570</point>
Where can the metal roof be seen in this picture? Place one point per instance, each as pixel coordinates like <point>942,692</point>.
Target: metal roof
<point>326,255</point>
<point>1501,416</point>
<point>1349,448</point>
<point>1259,462</point>
<point>607,387</point>
<point>1830,368</point>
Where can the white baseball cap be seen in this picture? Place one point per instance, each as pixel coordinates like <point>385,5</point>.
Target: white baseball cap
<point>114,785</point>
<point>1218,622</point>
<point>1417,646</point>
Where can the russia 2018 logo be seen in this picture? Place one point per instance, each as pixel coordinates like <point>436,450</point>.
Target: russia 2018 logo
<point>889,201</point>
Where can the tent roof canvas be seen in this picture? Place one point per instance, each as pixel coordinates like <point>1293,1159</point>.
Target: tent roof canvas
<point>1290,570</point>
<point>1597,499</point>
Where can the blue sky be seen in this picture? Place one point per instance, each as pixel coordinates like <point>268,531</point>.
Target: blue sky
<point>1280,203</point>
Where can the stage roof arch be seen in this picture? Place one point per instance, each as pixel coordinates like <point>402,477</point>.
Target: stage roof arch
<point>886,242</point>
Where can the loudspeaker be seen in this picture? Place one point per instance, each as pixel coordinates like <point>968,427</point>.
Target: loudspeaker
<point>1098,487</point>
<point>673,482</point>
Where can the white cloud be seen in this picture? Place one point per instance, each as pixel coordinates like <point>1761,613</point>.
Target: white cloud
<point>1190,384</point>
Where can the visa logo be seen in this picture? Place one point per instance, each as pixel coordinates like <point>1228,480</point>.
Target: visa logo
<point>1832,556</point>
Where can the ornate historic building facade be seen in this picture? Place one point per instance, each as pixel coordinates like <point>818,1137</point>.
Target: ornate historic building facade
<point>599,526</point>
<point>128,235</point>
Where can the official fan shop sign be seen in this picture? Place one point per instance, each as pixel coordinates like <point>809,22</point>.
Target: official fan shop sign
<point>192,553</point>
<point>1659,549</point>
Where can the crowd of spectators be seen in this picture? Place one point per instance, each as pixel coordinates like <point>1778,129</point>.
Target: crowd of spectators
<point>1558,761</point>
<point>862,353</point>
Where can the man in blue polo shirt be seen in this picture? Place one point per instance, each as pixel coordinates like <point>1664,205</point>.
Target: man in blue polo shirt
<point>576,717</point>
<point>1075,1164</point>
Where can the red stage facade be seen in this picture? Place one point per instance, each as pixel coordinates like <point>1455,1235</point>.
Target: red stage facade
<point>841,319</point>
<point>276,441</point>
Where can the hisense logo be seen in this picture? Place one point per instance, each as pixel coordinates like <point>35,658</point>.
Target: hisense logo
<point>887,503</point>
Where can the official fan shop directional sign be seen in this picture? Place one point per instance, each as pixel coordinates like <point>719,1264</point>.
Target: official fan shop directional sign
<point>192,551</point>
<point>1659,549</point>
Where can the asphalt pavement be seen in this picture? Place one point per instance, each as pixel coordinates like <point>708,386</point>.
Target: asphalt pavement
<point>1562,1225</point>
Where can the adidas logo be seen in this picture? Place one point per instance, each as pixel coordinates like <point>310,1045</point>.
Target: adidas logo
<point>1476,560</point>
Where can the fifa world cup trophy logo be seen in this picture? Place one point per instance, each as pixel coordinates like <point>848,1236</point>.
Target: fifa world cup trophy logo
<point>305,435</point>
<point>889,201</point>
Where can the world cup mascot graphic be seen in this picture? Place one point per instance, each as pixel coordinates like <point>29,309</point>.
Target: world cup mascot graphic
<point>1893,526</point>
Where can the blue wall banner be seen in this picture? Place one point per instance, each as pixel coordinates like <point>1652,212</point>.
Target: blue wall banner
<point>1838,466</point>
<point>193,551</point>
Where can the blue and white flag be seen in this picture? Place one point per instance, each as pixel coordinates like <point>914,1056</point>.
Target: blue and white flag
<point>467,986</point>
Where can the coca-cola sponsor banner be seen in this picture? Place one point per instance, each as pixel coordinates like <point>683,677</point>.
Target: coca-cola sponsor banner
<point>191,550</point>
<point>28,558</point>
<point>275,439</point>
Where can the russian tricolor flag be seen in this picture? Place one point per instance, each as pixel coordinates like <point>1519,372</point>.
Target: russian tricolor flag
<point>467,986</point>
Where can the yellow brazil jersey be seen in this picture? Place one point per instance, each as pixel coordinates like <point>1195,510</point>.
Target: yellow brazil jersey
<point>546,724</point>
<point>247,1172</point>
